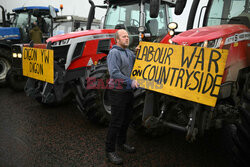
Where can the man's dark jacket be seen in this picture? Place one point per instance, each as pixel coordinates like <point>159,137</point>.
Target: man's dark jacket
<point>120,65</point>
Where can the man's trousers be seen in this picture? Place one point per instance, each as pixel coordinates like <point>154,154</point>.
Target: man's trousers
<point>121,115</point>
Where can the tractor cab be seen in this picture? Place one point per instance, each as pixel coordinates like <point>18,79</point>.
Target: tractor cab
<point>143,19</point>
<point>238,13</point>
<point>25,16</point>
<point>15,29</point>
<point>71,23</point>
<point>127,16</point>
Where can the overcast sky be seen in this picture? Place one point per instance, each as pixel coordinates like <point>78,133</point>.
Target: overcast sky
<point>80,8</point>
<point>72,7</point>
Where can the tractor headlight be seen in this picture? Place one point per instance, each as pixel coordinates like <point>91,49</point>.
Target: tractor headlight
<point>171,32</point>
<point>69,17</point>
<point>172,26</point>
<point>141,29</point>
<point>19,55</point>
<point>213,43</point>
<point>14,55</point>
<point>170,41</point>
<point>209,44</point>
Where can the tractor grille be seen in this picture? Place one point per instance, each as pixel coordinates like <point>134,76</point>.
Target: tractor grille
<point>78,50</point>
<point>60,53</point>
<point>103,46</point>
<point>16,63</point>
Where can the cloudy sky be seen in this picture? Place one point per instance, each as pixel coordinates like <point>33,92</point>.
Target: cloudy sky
<point>79,7</point>
<point>74,7</point>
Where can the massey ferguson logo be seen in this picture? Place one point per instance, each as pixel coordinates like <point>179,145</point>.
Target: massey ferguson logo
<point>238,37</point>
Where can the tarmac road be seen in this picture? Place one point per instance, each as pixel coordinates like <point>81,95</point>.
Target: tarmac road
<point>34,135</point>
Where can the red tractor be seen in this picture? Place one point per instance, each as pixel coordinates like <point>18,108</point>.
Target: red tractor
<point>80,57</point>
<point>225,25</point>
<point>60,25</point>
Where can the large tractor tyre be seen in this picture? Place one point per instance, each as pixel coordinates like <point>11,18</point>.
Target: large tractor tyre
<point>154,8</point>
<point>96,102</point>
<point>227,137</point>
<point>242,138</point>
<point>5,64</point>
<point>136,123</point>
<point>201,120</point>
<point>236,137</point>
<point>16,81</point>
<point>34,88</point>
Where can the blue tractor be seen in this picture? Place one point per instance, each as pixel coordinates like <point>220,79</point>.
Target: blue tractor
<point>15,29</point>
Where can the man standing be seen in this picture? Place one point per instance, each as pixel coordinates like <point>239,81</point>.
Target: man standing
<point>35,33</point>
<point>120,64</point>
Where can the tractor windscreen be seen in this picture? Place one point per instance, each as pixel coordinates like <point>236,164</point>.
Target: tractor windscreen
<point>62,28</point>
<point>24,21</point>
<point>229,12</point>
<point>44,23</point>
<point>21,21</point>
<point>128,17</point>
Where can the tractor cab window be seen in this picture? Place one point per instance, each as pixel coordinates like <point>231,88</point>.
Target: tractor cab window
<point>124,17</point>
<point>156,26</point>
<point>43,23</point>
<point>229,12</point>
<point>128,17</point>
<point>22,21</point>
<point>62,28</point>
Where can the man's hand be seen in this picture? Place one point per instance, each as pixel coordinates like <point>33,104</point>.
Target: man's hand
<point>135,84</point>
<point>137,48</point>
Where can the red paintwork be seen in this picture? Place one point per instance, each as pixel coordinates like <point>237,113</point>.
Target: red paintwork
<point>81,33</point>
<point>89,52</point>
<point>239,53</point>
<point>90,49</point>
<point>208,33</point>
<point>42,46</point>
<point>166,39</point>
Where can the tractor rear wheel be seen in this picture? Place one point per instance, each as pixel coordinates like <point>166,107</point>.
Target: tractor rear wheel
<point>5,64</point>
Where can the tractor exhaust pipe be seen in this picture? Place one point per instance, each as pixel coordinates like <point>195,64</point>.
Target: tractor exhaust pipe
<point>91,14</point>
<point>3,16</point>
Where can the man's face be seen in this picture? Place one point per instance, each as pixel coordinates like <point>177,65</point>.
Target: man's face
<point>123,40</point>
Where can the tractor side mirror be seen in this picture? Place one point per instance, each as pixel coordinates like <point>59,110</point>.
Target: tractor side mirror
<point>52,11</point>
<point>8,16</point>
<point>179,6</point>
<point>154,8</point>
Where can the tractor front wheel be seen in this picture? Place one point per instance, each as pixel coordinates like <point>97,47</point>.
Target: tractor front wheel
<point>5,64</point>
<point>96,101</point>
<point>15,80</point>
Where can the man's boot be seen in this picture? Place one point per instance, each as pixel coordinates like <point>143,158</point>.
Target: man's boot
<point>114,158</point>
<point>126,148</point>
